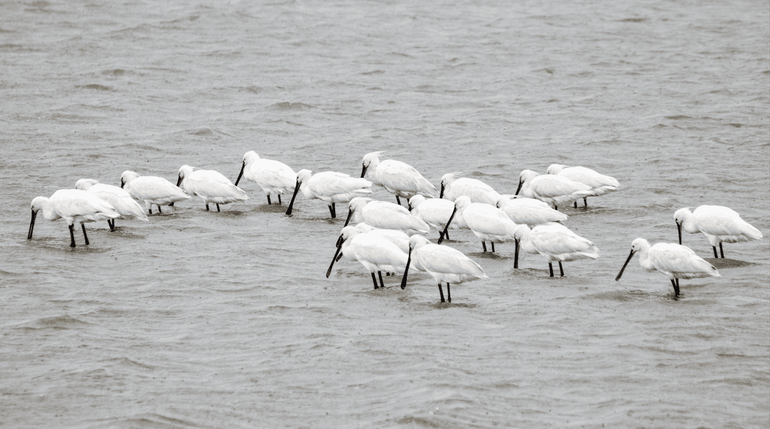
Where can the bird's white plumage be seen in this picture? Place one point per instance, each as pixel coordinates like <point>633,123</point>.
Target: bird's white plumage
<point>373,251</point>
<point>600,184</point>
<point>397,177</point>
<point>433,211</point>
<point>486,221</point>
<point>672,260</point>
<point>119,198</point>
<point>453,187</point>
<point>332,187</point>
<point>443,263</point>
<point>151,189</point>
<point>555,242</point>
<point>274,177</point>
<point>717,223</point>
<point>386,215</point>
<point>210,186</point>
<point>74,206</point>
<point>529,211</point>
<point>552,189</point>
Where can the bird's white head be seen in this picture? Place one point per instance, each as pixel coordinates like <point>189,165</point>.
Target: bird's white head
<point>555,168</point>
<point>449,178</point>
<point>503,200</point>
<point>416,241</point>
<point>416,200</point>
<point>250,157</point>
<point>640,245</point>
<point>303,176</point>
<point>521,232</point>
<point>525,177</point>
<point>127,177</point>
<point>184,171</point>
<point>372,158</point>
<point>39,203</point>
<point>85,184</point>
<point>357,203</point>
<point>462,202</point>
<point>685,220</point>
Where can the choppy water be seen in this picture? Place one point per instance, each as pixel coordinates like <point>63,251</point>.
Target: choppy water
<point>201,319</point>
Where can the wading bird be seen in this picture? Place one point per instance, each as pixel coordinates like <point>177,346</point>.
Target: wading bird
<point>330,187</point>
<point>374,252</point>
<point>397,177</point>
<point>718,223</point>
<point>151,190</point>
<point>453,187</point>
<point>210,186</point>
<point>529,211</point>
<point>74,206</point>
<point>433,211</point>
<point>385,215</point>
<point>443,263</point>
<point>119,198</point>
<point>487,222</point>
<point>600,184</point>
<point>552,189</point>
<point>556,243</point>
<point>670,259</point>
<point>274,177</point>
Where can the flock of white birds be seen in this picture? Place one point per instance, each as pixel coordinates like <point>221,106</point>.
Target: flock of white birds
<point>391,238</point>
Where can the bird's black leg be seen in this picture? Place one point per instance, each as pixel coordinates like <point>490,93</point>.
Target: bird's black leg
<point>516,256</point>
<point>483,244</point>
<point>575,204</point>
<point>441,291</point>
<point>217,207</point>
<point>331,211</point>
<point>159,210</point>
<point>268,200</point>
<point>493,246</point>
<point>448,293</point>
<point>585,201</point>
<point>111,223</point>
<point>446,234</point>
<point>72,236</point>
<point>374,280</point>
<point>279,199</point>
<point>676,287</point>
<point>207,206</point>
<point>561,269</point>
<point>150,209</point>
<point>715,251</point>
<point>382,285</point>
<point>721,251</point>
<point>398,200</point>
<point>83,227</point>
<point>550,268</point>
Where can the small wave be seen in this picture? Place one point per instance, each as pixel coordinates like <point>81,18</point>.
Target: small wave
<point>59,322</point>
<point>369,73</point>
<point>287,105</point>
<point>633,20</point>
<point>115,72</point>
<point>677,117</point>
<point>95,86</point>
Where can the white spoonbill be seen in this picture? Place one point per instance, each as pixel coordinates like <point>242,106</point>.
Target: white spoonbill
<point>385,215</point>
<point>552,189</point>
<point>443,263</point>
<point>600,184</point>
<point>152,190</point>
<point>374,252</point>
<point>523,243</point>
<point>120,199</point>
<point>529,211</point>
<point>672,260</point>
<point>397,177</point>
<point>330,187</point>
<point>718,223</point>
<point>433,211</point>
<point>274,177</point>
<point>399,238</point>
<point>453,187</point>
<point>556,243</point>
<point>75,206</point>
<point>210,186</point>
<point>487,222</point>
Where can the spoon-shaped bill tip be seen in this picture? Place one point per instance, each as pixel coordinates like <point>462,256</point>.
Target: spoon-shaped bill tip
<point>31,225</point>
<point>293,196</point>
<point>243,165</point>
<point>406,270</point>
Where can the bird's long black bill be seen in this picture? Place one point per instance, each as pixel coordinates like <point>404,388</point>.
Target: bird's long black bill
<point>31,224</point>
<point>293,196</point>
<point>446,227</point>
<point>441,194</point>
<point>516,255</point>
<point>179,180</point>
<point>243,166</point>
<point>679,230</point>
<point>334,259</point>
<point>350,214</point>
<point>630,255</point>
<point>363,171</point>
<point>406,270</point>
<point>519,188</point>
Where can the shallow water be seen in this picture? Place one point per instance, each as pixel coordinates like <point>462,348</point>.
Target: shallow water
<point>205,319</point>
